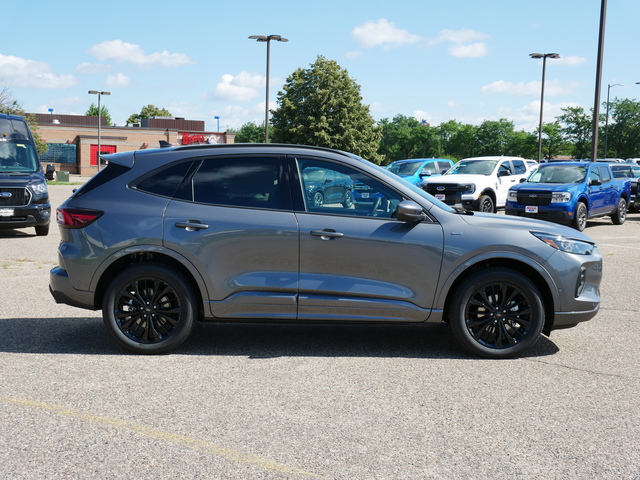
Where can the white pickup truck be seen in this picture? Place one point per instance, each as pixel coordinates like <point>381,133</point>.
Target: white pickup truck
<point>479,183</point>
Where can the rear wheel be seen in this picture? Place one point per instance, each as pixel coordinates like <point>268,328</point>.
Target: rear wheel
<point>485,204</point>
<point>149,309</point>
<point>496,313</point>
<point>620,215</point>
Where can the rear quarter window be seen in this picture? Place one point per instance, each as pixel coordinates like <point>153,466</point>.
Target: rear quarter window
<point>164,182</point>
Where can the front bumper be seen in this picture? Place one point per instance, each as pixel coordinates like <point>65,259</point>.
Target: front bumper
<point>551,214</point>
<point>29,216</point>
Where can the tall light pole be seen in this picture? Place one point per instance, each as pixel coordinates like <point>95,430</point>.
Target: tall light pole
<point>596,100</point>
<point>544,57</point>
<point>95,92</point>
<point>606,119</point>
<point>267,38</point>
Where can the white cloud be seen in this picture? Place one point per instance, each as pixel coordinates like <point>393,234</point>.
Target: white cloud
<point>118,80</point>
<point>474,50</point>
<point>92,68</point>
<point>383,32</point>
<point>25,73</point>
<point>239,88</point>
<point>571,61</point>
<point>123,52</point>
<point>465,42</point>
<point>525,89</point>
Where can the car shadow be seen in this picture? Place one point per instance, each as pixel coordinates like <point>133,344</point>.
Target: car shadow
<point>88,336</point>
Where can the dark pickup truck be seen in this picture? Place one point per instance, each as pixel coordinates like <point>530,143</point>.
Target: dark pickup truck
<point>571,193</point>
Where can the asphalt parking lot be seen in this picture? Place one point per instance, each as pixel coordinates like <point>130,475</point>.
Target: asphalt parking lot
<point>332,402</point>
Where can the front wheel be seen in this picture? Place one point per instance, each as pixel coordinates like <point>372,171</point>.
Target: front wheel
<point>620,215</point>
<point>580,217</point>
<point>496,313</point>
<point>149,309</point>
<point>485,204</point>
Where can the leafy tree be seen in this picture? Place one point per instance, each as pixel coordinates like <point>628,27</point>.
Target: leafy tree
<point>462,142</point>
<point>405,137</point>
<point>148,112</point>
<point>10,106</point>
<point>624,129</point>
<point>495,137</point>
<point>104,113</point>
<point>251,133</point>
<point>322,106</point>
<point>553,141</point>
<point>576,126</point>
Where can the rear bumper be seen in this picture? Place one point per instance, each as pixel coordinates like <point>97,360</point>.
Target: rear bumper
<point>63,292</point>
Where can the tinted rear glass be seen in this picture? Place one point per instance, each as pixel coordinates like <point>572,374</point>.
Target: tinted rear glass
<point>166,181</point>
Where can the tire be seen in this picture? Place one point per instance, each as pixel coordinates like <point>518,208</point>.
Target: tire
<point>620,215</point>
<point>149,309</point>
<point>580,218</point>
<point>348,199</point>
<point>496,313</point>
<point>42,230</point>
<point>318,199</point>
<point>485,204</point>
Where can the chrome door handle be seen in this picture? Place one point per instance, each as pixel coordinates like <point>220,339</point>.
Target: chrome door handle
<point>192,225</point>
<point>327,234</point>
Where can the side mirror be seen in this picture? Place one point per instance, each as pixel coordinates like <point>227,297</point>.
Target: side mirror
<point>522,180</point>
<point>408,211</point>
<point>504,173</point>
<point>425,173</point>
<point>594,183</point>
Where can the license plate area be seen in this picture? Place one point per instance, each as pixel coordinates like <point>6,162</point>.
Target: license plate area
<point>6,212</point>
<point>531,209</point>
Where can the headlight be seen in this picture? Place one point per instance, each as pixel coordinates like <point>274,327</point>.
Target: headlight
<point>512,196</point>
<point>39,190</point>
<point>468,188</point>
<point>561,197</point>
<point>566,244</point>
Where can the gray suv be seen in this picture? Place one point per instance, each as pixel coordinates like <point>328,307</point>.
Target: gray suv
<point>162,238</point>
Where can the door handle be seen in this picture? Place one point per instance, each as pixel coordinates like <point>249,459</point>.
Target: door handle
<point>327,234</point>
<point>192,225</point>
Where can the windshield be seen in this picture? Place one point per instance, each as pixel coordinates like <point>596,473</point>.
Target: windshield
<point>473,167</point>
<point>558,174</point>
<point>404,168</point>
<point>18,156</point>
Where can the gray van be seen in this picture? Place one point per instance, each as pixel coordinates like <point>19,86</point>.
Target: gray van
<point>24,198</point>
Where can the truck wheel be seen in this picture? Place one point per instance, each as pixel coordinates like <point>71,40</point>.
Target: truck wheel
<point>485,204</point>
<point>620,215</point>
<point>42,230</point>
<point>580,218</point>
<point>496,313</point>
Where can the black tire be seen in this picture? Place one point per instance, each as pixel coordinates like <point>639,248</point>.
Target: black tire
<point>620,215</point>
<point>485,204</point>
<point>42,230</point>
<point>318,199</point>
<point>149,309</point>
<point>348,199</point>
<point>580,217</point>
<point>496,313</point>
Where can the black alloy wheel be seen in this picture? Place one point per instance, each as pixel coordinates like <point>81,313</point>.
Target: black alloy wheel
<point>149,309</point>
<point>580,218</point>
<point>497,313</point>
<point>620,215</point>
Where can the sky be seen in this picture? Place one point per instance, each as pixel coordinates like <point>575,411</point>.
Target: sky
<point>463,60</point>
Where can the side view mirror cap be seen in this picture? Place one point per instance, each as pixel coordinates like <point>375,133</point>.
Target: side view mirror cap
<point>409,211</point>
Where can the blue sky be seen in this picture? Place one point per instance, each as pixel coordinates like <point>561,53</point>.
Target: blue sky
<point>466,60</point>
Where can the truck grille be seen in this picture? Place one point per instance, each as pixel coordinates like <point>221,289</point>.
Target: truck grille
<point>14,197</point>
<point>451,191</point>
<point>534,198</point>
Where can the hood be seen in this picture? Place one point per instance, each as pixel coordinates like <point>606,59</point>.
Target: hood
<point>545,187</point>
<point>458,178</point>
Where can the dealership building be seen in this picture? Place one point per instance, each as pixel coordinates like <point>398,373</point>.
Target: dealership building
<point>74,140</point>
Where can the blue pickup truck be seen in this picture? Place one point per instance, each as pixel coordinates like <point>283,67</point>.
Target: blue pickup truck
<point>570,193</point>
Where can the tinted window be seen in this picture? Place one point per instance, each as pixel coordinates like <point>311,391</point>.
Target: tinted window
<point>504,167</point>
<point>519,167</point>
<point>237,182</point>
<point>166,181</point>
<point>604,173</point>
<point>339,190</point>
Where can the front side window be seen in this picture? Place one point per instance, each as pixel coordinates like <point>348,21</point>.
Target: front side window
<point>336,189</point>
<point>519,167</point>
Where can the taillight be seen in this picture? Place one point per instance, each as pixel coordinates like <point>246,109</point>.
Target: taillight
<point>76,217</point>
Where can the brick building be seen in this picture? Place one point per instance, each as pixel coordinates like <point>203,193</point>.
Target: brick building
<point>73,139</point>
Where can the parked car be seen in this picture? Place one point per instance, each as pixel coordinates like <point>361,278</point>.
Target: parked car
<point>630,171</point>
<point>478,183</point>
<point>633,160</point>
<point>325,185</point>
<point>24,197</point>
<point>161,238</point>
<point>415,170</point>
<point>571,193</point>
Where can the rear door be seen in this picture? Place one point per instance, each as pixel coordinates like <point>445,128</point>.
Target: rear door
<point>232,219</point>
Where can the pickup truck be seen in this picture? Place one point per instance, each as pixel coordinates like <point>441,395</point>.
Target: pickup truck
<point>570,193</point>
<point>478,183</point>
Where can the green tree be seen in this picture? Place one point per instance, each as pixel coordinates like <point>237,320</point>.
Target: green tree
<point>322,106</point>
<point>405,137</point>
<point>553,141</point>
<point>462,142</point>
<point>10,106</point>
<point>148,112</point>
<point>576,126</point>
<point>495,137</point>
<point>624,129</point>
<point>104,113</point>
<point>251,133</point>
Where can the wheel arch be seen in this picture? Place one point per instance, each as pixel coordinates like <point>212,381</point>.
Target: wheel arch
<point>141,256</point>
<point>533,274</point>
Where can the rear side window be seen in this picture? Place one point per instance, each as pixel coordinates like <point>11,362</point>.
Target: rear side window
<point>165,182</point>
<point>519,167</point>
<point>238,182</point>
<point>604,173</point>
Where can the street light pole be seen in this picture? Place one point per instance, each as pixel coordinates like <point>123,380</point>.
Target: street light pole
<point>544,57</point>
<point>267,38</point>
<point>606,118</point>
<point>95,92</point>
